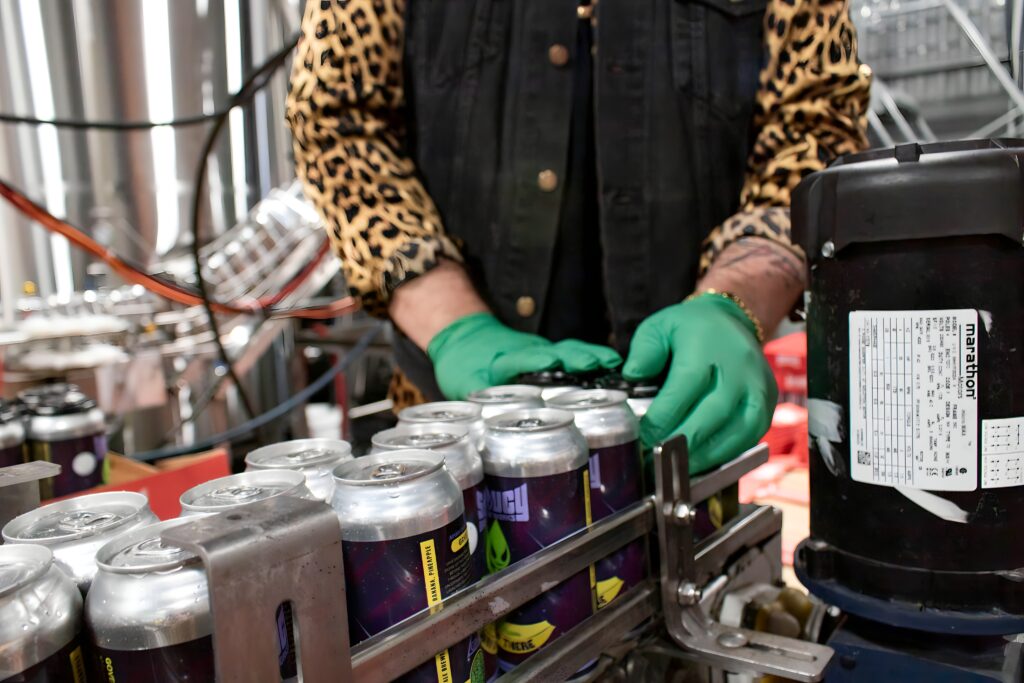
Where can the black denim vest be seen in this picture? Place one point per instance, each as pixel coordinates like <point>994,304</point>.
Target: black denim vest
<point>488,111</point>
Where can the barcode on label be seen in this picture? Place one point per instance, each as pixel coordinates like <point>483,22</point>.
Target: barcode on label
<point>863,458</point>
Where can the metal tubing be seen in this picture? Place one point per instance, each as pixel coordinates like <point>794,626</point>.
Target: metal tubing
<point>403,647</point>
<point>560,660</point>
<point>257,557</point>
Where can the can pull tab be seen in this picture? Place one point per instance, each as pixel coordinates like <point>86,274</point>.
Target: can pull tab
<point>82,520</point>
<point>236,493</point>
<point>529,423</point>
<point>306,455</point>
<point>391,470</point>
<point>156,548</point>
<point>429,439</point>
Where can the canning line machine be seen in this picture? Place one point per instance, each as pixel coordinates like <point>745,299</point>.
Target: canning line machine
<point>289,550</point>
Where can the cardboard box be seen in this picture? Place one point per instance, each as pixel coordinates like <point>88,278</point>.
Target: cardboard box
<point>163,483</point>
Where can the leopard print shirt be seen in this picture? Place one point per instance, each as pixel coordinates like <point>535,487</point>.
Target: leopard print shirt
<point>346,94</point>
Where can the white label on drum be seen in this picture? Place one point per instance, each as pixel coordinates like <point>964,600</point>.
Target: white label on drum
<point>914,399</point>
<point>1002,453</point>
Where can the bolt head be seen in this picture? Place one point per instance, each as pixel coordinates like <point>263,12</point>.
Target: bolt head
<point>684,513</point>
<point>688,594</point>
<point>828,250</point>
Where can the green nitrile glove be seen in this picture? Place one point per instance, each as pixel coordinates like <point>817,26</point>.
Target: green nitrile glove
<point>719,391</point>
<point>476,352</point>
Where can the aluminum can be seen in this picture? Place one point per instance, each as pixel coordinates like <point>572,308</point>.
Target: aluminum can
<point>505,398</point>
<point>538,493</point>
<point>461,459</point>
<point>148,611</point>
<point>406,548</point>
<point>76,528</point>
<point>68,430</point>
<point>12,434</point>
<point>448,412</point>
<point>236,490</point>
<point>616,477</point>
<point>315,458</point>
<point>40,619</point>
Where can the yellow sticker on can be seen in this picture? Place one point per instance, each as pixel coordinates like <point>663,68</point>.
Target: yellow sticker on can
<point>489,639</point>
<point>523,638</point>
<point>431,577</point>
<point>460,541</point>
<point>443,662</point>
<point>77,666</point>
<point>608,590</point>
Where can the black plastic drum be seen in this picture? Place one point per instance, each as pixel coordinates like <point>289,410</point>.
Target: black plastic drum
<point>915,327</point>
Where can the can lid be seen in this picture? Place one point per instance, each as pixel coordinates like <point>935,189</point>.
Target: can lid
<point>75,518</point>
<point>299,454</point>
<point>420,436</point>
<point>241,489</point>
<point>386,469</point>
<point>505,393</point>
<point>70,403</point>
<point>142,550</point>
<point>529,421</point>
<point>22,564</point>
<point>587,399</point>
<point>441,411</point>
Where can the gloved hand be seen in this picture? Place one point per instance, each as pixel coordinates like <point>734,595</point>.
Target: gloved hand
<point>719,391</point>
<point>477,351</point>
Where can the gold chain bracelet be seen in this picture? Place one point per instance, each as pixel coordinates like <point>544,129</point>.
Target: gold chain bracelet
<point>758,327</point>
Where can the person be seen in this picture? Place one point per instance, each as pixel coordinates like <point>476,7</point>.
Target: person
<point>525,185</point>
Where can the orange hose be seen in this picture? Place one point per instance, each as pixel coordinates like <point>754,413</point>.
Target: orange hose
<point>173,292</point>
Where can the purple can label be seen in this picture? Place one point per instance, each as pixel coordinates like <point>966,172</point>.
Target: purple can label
<point>475,501</point>
<point>12,455</point>
<point>286,643</point>
<point>66,665</point>
<point>81,461</point>
<point>527,515</point>
<point>191,661</point>
<point>615,484</point>
<point>389,581</point>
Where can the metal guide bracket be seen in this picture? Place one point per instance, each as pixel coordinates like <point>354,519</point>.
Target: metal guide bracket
<point>257,557</point>
<point>19,487</point>
<point>733,649</point>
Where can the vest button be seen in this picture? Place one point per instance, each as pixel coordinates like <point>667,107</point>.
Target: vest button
<point>547,180</point>
<point>558,54</point>
<point>525,306</point>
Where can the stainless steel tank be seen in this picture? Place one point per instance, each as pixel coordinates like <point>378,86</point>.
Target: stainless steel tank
<point>133,60</point>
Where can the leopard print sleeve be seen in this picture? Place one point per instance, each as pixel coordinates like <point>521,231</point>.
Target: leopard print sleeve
<point>343,108</point>
<point>811,108</point>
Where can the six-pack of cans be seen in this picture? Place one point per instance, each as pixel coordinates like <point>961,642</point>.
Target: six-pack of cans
<point>457,491</point>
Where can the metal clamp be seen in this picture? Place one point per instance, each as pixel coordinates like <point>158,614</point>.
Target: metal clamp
<point>733,649</point>
<point>257,557</point>
<point>19,487</point>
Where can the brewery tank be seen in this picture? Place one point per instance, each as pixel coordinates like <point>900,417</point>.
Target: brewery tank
<point>126,61</point>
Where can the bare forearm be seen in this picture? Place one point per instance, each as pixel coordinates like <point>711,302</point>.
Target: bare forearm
<point>766,276</point>
<point>424,306</point>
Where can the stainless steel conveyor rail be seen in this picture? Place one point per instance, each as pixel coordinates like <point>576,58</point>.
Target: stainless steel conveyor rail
<point>286,549</point>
